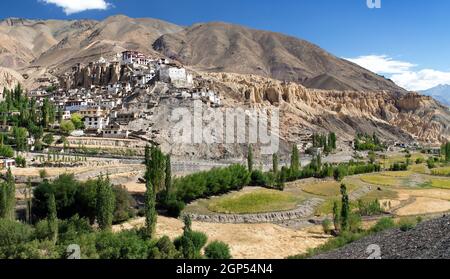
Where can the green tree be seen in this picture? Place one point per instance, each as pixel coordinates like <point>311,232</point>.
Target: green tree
<point>218,250</point>
<point>345,209</point>
<point>77,121</point>
<point>8,197</point>
<point>150,210</point>
<point>250,158</point>
<point>20,138</point>
<point>156,169</point>
<point>275,163</point>
<point>372,157</point>
<point>52,218</point>
<point>336,216</point>
<point>168,181</point>
<point>295,160</point>
<point>29,201</point>
<point>48,139</point>
<point>6,151</point>
<point>105,203</point>
<point>67,127</point>
<point>332,140</point>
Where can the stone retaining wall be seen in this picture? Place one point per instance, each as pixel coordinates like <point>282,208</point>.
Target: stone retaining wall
<point>305,210</point>
<point>106,142</point>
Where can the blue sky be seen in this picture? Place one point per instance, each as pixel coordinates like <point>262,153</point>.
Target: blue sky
<point>406,40</point>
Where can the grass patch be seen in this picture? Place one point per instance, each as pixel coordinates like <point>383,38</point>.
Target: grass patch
<point>440,183</point>
<point>421,169</point>
<point>384,194</point>
<point>445,171</point>
<point>326,207</point>
<point>400,174</point>
<point>326,189</point>
<point>401,158</point>
<point>255,202</point>
<point>379,179</point>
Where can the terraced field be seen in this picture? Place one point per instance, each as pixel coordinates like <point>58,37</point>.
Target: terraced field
<point>404,193</point>
<point>260,201</point>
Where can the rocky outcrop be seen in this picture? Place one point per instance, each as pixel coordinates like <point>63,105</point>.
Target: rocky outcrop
<point>9,79</point>
<point>100,74</point>
<point>391,115</point>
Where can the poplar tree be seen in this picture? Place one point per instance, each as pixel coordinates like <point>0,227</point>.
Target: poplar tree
<point>154,176</point>
<point>8,198</point>
<point>336,216</point>
<point>275,163</point>
<point>295,160</point>
<point>250,158</point>
<point>150,210</point>
<point>168,182</point>
<point>105,203</point>
<point>52,218</point>
<point>345,210</point>
<point>29,200</point>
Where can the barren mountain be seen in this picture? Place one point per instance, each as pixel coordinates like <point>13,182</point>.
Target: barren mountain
<point>221,47</point>
<point>60,44</point>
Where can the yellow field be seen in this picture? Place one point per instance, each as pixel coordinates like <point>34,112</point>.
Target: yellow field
<point>380,179</point>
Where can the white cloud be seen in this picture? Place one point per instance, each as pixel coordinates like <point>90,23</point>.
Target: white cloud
<point>382,64</point>
<point>403,73</point>
<point>76,6</point>
<point>421,80</point>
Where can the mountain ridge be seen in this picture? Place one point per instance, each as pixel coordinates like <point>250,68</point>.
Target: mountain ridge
<point>210,46</point>
<point>440,92</point>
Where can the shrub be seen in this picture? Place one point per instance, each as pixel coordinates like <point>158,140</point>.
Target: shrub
<point>406,224</point>
<point>14,233</point>
<point>218,251</point>
<point>174,207</point>
<point>21,162</point>
<point>383,224</point>
<point>326,225</point>
<point>6,151</point>
<point>354,222</point>
<point>199,239</point>
<point>125,205</point>
<point>48,139</point>
<point>369,208</point>
<point>164,250</point>
<point>420,160</point>
<point>124,245</point>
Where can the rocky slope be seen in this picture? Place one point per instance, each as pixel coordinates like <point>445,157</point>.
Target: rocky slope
<point>392,116</point>
<point>429,240</point>
<point>9,79</point>
<point>222,47</point>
